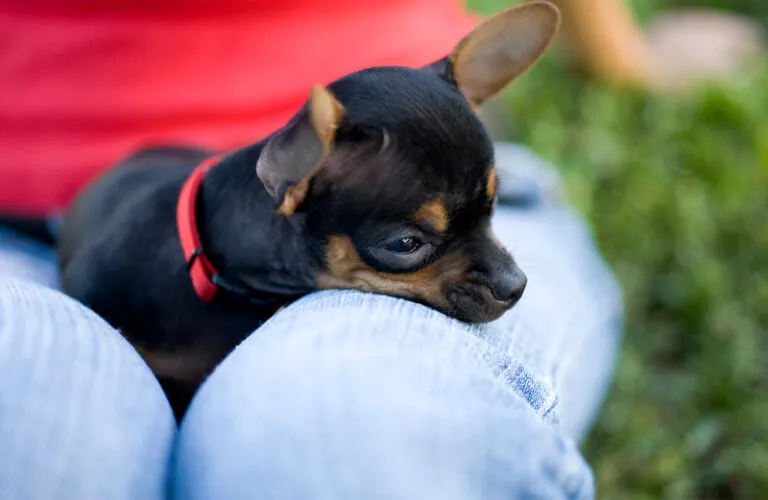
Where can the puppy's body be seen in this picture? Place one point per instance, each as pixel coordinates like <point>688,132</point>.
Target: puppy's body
<point>384,182</point>
<point>120,254</point>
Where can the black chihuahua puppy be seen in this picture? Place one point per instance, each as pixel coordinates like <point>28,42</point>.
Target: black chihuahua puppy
<point>383,182</point>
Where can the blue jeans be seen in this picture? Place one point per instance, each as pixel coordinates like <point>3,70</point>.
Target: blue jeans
<point>342,395</point>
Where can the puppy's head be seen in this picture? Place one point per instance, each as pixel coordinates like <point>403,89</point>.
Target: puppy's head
<point>393,173</point>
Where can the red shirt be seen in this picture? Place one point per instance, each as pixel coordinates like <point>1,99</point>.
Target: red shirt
<point>84,83</point>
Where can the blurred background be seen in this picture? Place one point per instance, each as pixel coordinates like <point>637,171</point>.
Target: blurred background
<point>675,185</point>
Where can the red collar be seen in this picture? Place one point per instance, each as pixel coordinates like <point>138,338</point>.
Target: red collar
<point>201,271</point>
<point>206,280</point>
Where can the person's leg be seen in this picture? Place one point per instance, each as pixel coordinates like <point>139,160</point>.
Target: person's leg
<point>349,395</point>
<point>568,326</point>
<point>346,395</point>
<point>81,415</point>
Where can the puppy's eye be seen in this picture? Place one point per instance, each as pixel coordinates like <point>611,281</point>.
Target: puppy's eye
<point>405,245</point>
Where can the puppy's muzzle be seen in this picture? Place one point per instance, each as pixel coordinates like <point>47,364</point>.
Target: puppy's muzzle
<point>492,287</point>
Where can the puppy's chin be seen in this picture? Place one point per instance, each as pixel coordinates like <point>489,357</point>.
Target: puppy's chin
<point>475,304</point>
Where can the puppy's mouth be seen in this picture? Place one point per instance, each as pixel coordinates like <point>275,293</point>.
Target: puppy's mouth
<point>475,303</point>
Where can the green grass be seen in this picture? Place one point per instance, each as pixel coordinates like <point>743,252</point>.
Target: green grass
<point>676,190</point>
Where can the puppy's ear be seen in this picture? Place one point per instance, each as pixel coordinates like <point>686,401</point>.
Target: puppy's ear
<point>499,50</point>
<point>294,153</point>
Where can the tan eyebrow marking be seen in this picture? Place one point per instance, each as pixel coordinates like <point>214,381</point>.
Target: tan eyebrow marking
<point>434,213</point>
<point>491,183</point>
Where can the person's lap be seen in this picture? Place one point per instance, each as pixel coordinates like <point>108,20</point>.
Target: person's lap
<point>340,395</point>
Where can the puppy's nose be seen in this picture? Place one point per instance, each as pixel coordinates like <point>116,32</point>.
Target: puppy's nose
<point>508,285</point>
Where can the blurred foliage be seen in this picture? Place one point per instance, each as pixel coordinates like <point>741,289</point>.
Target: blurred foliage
<point>676,190</point>
<point>646,8</point>
<point>755,8</point>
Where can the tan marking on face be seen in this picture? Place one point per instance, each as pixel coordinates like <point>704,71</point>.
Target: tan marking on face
<point>434,213</point>
<point>491,183</point>
<point>346,270</point>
